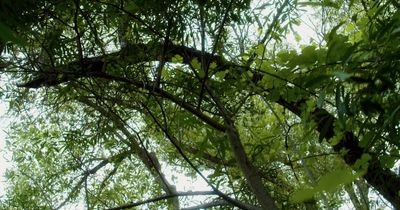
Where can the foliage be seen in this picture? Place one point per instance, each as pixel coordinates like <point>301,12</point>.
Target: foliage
<point>111,97</point>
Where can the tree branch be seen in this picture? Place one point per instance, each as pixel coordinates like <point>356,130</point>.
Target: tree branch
<point>116,158</point>
<point>207,205</point>
<point>162,197</point>
<point>149,159</point>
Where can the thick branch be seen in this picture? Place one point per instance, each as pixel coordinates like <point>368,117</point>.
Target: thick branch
<point>252,177</point>
<point>247,168</point>
<point>386,182</point>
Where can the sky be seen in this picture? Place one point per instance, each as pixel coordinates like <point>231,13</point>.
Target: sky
<point>5,156</point>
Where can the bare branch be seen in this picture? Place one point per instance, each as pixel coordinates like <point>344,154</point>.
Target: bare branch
<point>117,158</point>
<point>179,194</point>
<point>149,159</point>
<point>207,205</point>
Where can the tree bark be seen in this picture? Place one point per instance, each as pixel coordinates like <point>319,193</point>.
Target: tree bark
<point>386,182</point>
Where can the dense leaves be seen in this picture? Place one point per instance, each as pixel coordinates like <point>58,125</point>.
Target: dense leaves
<point>115,102</point>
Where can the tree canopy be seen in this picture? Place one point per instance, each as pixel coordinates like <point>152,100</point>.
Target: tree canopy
<point>111,97</point>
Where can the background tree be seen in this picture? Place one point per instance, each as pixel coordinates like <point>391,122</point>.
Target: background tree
<point>111,95</point>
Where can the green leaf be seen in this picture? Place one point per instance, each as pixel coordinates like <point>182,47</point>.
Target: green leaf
<point>221,74</point>
<point>213,65</point>
<point>303,195</point>
<point>330,182</point>
<point>366,139</point>
<point>308,55</point>
<point>131,7</point>
<point>316,80</point>
<point>260,49</point>
<point>6,34</point>
<point>349,27</point>
<point>333,180</point>
<point>333,33</point>
<point>362,163</point>
<point>196,65</point>
<point>388,161</point>
<point>325,3</point>
<point>341,108</point>
<point>177,59</point>
<point>321,99</point>
<point>338,48</point>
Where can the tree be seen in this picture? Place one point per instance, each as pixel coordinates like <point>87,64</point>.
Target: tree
<point>108,93</point>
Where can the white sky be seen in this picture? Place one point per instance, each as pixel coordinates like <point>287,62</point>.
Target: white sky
<point>4,156</point>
